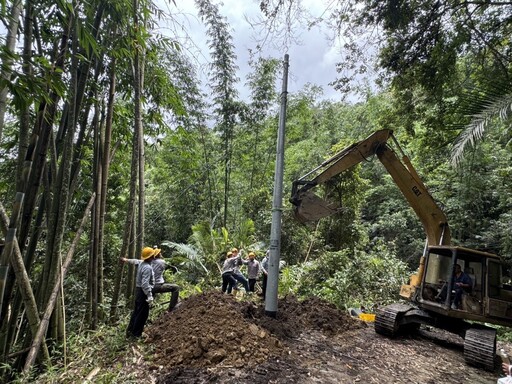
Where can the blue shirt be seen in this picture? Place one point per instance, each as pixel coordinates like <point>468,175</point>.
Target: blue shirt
<point>464,279</point>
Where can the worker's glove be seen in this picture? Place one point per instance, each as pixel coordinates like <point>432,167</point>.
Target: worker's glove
<point>150,302</point>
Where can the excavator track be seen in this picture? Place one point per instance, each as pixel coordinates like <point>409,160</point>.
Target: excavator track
<point>480,347</point>
<point>387,320</point>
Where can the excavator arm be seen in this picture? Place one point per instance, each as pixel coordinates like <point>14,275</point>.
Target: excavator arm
<point>309,207</point>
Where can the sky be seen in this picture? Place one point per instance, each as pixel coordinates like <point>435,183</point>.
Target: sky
<point>310,61</point>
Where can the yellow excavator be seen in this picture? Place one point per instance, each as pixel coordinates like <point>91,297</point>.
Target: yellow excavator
<point>485,298</point>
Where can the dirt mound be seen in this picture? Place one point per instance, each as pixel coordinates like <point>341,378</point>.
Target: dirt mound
<point>295,317</point>
<point>212,329</point>
<point>215,338</point>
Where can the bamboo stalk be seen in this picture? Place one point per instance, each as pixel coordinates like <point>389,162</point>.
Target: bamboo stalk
<point>43,326</point>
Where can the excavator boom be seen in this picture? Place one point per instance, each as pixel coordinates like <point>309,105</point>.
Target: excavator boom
<point>309,207</point>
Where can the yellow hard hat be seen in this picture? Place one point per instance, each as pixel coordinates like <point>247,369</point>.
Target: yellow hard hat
<point>157,251</point>
<point>146,253</point>
<point>234,250</point>
<point>252,254</point>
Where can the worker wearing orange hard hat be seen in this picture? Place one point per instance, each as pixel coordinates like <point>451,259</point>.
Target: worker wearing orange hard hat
<point>228,281</point>
<point>253,270</point>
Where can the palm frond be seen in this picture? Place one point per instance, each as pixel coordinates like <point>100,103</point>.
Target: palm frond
<point>475,130</point>
<point>245,233</point>
<point>258,246</point>
<point>203,237</point>
<point>224,235</point>
<point>189,251</point>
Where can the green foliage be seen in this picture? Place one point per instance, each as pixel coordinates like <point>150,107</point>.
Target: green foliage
<point>191,259</point>
<point>440,73</point>
<point>201,259</point>
<point>353,278</point>
<point>244,234</point>
<point>289,279</point>
<point>387,216</point>
<point>491,110</point>
<point>176,172</point>
<point>223,81</point>
<point>342,230</point>
<point>90,350</point>
<point>423,40</point>
<point>504,333</point>
<point>161,93</point>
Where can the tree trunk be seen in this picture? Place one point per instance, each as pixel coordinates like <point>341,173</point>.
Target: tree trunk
<point>60,201</point>
<point>138,84</point>
<point>10,42</point>
<point>130,284</point>
<point>24,139</point>
<point>40,139</point>
<point>227,177</point>
<point>43,326</point>
<point>9,329</point>
<point>106,165</point>
<point>95,230</point>
<point>24,282</point>
<point>107,156</point>
<point>42,129</point>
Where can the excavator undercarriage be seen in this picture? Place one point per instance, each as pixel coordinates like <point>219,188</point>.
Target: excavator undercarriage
<point>479,341</point>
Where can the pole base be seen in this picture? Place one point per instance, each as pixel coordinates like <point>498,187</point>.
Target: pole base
<point>272,314</point>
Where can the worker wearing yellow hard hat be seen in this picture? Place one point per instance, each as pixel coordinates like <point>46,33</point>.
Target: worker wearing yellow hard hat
<point>144,283</point>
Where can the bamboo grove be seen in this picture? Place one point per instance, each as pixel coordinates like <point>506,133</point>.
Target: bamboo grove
<point>59,98</point>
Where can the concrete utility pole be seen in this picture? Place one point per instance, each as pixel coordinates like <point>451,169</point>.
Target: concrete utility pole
<point>275,231</point>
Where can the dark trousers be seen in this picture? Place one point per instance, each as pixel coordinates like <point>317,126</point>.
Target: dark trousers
<point>166,287</point>
<point>228,282</point>
<point>252,283</point>
<point>264,286</point>
<point>456,296</point>
<point>241,278</point>
<point>139,315</point>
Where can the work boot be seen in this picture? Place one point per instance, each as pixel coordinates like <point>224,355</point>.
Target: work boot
<point>174,308</point>
<point>174,299</point>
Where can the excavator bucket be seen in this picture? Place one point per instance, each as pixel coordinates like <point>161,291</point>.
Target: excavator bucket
<point>312,208</point>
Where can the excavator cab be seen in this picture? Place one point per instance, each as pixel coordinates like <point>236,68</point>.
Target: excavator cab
<point>488,298</point>
<point>432,292</point>
<point>439,287</point>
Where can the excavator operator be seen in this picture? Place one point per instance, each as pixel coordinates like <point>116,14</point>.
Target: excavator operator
<point>461,283</point>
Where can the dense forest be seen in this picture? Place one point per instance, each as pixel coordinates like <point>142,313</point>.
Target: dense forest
<point>110,142</point>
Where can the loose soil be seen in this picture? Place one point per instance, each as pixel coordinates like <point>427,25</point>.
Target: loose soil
<point>215,338</point>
